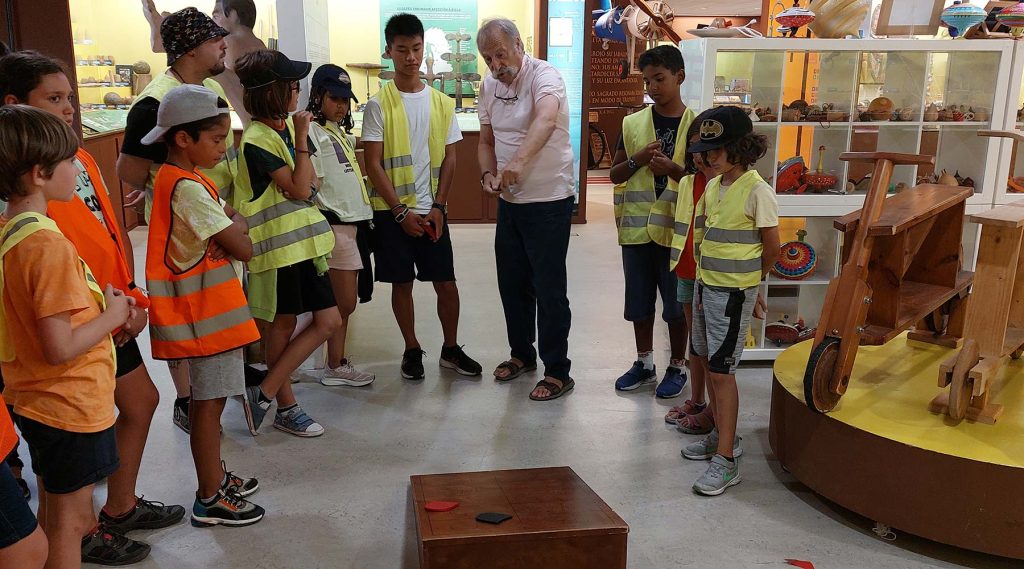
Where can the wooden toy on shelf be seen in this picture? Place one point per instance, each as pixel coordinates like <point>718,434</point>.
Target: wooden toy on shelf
<point>994,327</point>
<point>1012,185</point>
<point>890,279</point>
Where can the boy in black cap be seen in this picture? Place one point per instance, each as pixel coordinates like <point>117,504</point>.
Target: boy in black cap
<point>344,202</point>
<point>735,243</point>
<point>195,53</point>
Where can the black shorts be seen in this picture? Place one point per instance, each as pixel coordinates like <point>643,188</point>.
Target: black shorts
<point>301,290</point>
<point>401,258</point>
<point>67,461</point>
<point>16,519</point>
<point>129,358</point>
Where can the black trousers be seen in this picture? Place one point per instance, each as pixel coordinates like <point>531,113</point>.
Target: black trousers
<point>530,246</point>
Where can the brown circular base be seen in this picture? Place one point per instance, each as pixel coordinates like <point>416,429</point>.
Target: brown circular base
<point>848,459</point>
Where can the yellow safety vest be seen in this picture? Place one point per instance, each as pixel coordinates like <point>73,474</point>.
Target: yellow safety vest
<point>283,231</point>
<point>683,214</point>
<point>332,129</point>
<point>15,231</point>
<point>223,174</point>
<point>641,215</point>
<point>397,159</point>
<point>726,243</point>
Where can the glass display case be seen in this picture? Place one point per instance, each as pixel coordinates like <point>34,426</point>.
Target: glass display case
<point>815,99</point>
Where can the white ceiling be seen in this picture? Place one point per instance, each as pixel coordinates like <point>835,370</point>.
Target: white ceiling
<point>704,8</point>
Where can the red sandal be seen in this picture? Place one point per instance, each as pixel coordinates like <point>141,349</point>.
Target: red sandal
<point>688,408</point>
<point>700,423</point>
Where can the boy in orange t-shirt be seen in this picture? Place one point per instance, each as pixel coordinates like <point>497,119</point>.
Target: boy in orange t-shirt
<point>56,351</point>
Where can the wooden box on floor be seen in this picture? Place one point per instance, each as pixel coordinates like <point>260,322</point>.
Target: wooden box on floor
<point>557,522</point>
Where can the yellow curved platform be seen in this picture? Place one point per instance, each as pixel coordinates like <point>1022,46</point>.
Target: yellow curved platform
<point>889,394</point>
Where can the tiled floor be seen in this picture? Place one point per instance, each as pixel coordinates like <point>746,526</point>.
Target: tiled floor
<point>342,501</point>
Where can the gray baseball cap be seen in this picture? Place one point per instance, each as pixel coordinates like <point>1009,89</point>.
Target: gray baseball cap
<point>182,105</point>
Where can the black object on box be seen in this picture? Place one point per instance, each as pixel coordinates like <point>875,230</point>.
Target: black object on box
<point>493,517</point>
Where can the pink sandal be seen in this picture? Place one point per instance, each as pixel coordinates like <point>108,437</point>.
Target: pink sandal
<point>688,408</point>
<point>700,423</point>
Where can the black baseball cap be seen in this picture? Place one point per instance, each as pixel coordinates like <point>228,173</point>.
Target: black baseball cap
<point>720,126</point>
<point>186,30</point>
<point>335,80</point>
<point>282,69</point>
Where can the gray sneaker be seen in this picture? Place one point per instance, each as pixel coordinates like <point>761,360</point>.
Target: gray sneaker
<point>296,422</point>
<point>255,410</point>
<point>345,374</point>
<point>720,475</point>
<point>708,446</point>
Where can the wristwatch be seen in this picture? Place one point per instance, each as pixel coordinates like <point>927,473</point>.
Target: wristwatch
<point>632,164</point>
<point>440,206</point>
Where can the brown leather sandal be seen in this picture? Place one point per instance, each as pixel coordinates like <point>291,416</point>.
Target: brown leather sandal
<point>514,369</point>
<point>554,390</point>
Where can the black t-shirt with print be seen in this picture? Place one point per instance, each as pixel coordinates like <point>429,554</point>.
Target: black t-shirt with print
<point>665,129</point>
<point>261,163</point>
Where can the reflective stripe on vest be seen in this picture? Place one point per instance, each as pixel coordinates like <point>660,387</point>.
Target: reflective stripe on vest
<point>223,174</point>
<point>397,159</point>
<point>730,246</point>
<point>636,197</point>
<point>18,228</point>
<point>199,312</point>
<point>283,231</point>
<point>99,243</point>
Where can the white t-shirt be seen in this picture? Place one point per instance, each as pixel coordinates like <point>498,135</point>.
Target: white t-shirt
<point>549,175</point>
<point>86,190</point>
<point>196,217</point>
<point>417,110</point>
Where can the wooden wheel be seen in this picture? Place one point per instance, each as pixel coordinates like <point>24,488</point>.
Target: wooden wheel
<point>938,321</point>
<point>962,387</point>
<point>818,376</point>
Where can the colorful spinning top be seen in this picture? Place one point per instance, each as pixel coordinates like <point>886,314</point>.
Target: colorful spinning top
<point>793,18</point>
<point>962,16</point>
<point>798,259</point>
<point>1013,18</point>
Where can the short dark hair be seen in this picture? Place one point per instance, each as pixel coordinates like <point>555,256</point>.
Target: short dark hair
<point>746,150</point>
<point>688,163</point>
<point>246,10</point>
<point>195,128</point>
<point>405,25</point>
<point>22,71</point>
<point>31,137</point>
<point>667,56</point>
<point>316,106</point>
<point>267,101</point>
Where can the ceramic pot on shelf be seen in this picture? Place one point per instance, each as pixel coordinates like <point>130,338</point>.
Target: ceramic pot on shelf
<point>931,114</point>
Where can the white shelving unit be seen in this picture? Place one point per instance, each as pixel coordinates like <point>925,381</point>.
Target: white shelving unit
<point>1014,101</point>
<point>848,73</point>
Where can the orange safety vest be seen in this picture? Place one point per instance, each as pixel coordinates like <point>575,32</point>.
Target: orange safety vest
<point>101,247</point>
<point>198,312</point>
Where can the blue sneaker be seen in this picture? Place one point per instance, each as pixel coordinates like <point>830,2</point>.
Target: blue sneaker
<point>635,377</point>
<point>672,384</point>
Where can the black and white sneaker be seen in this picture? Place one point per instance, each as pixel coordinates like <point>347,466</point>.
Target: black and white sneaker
<point>454,358</point>
<point>240,485</point>
<point>146,514</point>
<point>228,509</point>
<point>412,363</point>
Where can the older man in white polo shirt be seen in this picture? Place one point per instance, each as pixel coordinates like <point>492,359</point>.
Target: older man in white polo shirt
<point>527,161</point>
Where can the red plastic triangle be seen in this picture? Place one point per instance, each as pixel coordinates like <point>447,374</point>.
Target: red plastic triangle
<point>801,564</point>
<point>438,506</point>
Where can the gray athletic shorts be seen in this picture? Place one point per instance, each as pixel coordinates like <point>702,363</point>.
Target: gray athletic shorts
<point>721,317</point>
<point>217,376</point>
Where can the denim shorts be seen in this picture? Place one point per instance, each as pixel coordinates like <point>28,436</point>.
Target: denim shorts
<point>645,268</point>
<point>16,519</point>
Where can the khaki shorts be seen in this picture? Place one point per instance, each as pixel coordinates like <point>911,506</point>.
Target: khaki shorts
<point>345,256</point>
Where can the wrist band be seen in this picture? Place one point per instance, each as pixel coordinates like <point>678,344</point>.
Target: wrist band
<point>297,151</point>
<point>398,206</point>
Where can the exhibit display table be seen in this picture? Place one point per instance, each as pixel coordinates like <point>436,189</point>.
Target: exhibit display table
<point>556,521</point>
<point>882,454</point>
